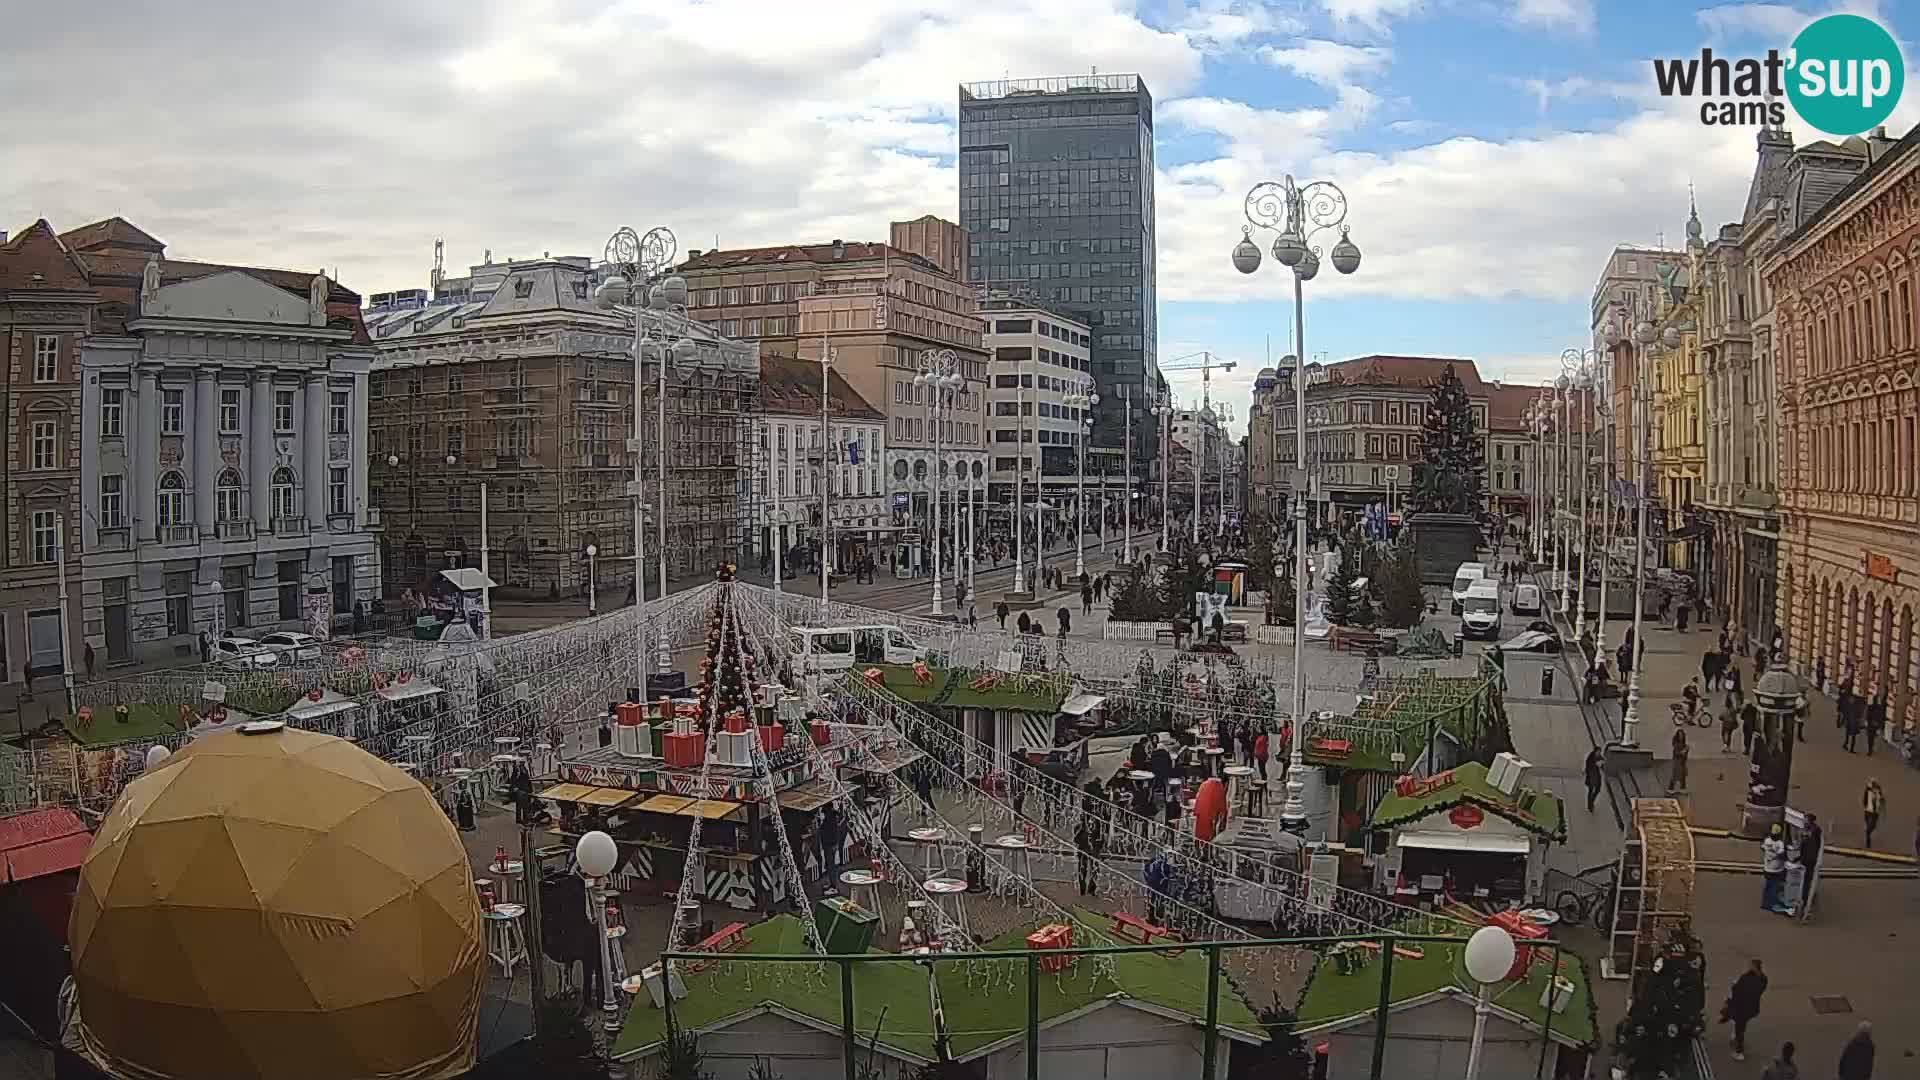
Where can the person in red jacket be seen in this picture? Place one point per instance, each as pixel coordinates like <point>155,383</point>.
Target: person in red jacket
<point>1260,753</point>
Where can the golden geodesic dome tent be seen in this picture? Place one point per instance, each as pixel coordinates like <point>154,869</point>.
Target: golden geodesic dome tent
<point>277,904</point>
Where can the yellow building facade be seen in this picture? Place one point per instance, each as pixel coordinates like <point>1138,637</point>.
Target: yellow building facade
<point>1679,405</point>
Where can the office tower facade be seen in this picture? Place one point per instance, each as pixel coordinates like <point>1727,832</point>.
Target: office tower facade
<point>1056,196</point>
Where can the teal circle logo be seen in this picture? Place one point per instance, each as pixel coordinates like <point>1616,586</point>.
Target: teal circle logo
<point>1845,75</point>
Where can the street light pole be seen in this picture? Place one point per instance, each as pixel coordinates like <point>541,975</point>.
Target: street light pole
<point>1020,481</point>
<point>1082,402</point>
<point>830,457</point>
<point>939,373</point>
<point>593,594</point>
<point>1298,214</point>
<point>1643,336</point>
<point>1126,497</point>
<point>1164,411</point>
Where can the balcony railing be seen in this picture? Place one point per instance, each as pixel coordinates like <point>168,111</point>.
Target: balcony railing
<point>290,526</point>
<point>235,529</point>
<point>178,534</point>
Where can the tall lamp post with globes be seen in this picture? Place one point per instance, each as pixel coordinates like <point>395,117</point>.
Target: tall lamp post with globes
<point>1644,337</point>
<point>1082,402</point>
<point>595,855</point>
<point>1164,411</point>
<point>940,375</point>
<point>1298,214</point>
<point>1581,365</point>
<point>593,594</point>
<point>1489,957</point>
<point>640,288</point>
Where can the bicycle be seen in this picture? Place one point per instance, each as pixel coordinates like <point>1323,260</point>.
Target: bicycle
<point>1590,903</point>
<point>1682,716</point>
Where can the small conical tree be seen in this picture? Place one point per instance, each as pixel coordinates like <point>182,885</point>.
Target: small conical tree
<point>1260,557</point>
<point>1401,598</point>
<point>1340,586</point>
<point>563,1047</point>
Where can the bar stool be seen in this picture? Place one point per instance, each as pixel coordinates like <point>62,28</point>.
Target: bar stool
<point>931,842</point>
<point>1237,777</point>
<point>506,942</point>
<point>863,888</point>
<point>1257,799</point>
<point>512,886</point>
<point>1018,855</point>
<point>946,892</point>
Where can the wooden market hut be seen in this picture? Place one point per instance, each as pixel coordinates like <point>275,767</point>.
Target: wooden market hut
<point>1001,712</point>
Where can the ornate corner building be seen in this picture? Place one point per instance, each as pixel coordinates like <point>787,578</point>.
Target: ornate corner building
<point>1845,278</point>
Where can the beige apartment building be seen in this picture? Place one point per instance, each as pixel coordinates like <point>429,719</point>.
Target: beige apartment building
<point>879,310</point>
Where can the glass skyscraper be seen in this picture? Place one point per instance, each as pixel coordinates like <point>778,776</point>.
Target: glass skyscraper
<point>1056,195</point>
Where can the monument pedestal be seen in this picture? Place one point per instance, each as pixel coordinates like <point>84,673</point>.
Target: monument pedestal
<point>1756,820</point>
<point>1444,542</point>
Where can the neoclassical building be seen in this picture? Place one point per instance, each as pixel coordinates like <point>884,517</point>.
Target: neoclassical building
<point>1845,278</point>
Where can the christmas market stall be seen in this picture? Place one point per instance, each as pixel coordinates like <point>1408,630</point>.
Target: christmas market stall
<point>999,712</point>
<point>1470,834</point>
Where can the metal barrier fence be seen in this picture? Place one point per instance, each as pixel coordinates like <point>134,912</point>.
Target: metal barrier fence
<point>859,1063</point>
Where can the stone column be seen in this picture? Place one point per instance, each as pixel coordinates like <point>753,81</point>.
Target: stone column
<point>206,449</point>
<point>260,451</point>
<point>313,438</point>
<point>144,448</point>
<point>1770,762</point>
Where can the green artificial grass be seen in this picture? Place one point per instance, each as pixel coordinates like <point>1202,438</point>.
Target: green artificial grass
<point>892,997</point>
<point>899,990</point>
<point>1470,786</point>
<point>1332,997</point>
<point>953,687</point>
<point>143,722</point>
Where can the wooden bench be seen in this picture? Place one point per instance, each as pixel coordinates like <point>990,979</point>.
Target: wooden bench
<point>1350,640</point>
<point>1404,952</point>
<point>728,938</point>
<point>1129,927</point>
<point>1165,633</point>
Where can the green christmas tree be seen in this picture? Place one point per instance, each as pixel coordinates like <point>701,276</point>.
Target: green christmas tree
<point>1667,1013</point>
<point>1137,600</point>
<point>1340,585</point>
<point>1401,598</point>
<point>1260,556</point>
<point>563,1047</point>
<point>1451,475</point>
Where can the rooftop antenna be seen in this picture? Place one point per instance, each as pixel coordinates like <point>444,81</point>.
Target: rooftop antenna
<point>439,267</point>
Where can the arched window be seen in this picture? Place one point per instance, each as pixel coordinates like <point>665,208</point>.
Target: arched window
<point>283,505</point>
<point>172,499</point>
<point>227,497</point>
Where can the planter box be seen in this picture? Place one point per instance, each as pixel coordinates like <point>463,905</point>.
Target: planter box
<point>1273,635</point>
<point>1134,631</point>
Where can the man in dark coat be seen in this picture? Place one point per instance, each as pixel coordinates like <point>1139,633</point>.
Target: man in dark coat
<point>1856,1061</point>
<point>1743,1004</point>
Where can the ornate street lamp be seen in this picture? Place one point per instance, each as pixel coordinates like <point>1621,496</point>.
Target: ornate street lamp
<point>940,375</point>
<point>1297,214</point>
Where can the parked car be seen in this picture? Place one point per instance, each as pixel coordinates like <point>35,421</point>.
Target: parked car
<point>301,646</point>
<point>244,652</point>
<point>1538,637</point>
<point>1526,599</point>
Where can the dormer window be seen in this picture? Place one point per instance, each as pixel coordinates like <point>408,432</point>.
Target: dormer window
<point>523,288</point>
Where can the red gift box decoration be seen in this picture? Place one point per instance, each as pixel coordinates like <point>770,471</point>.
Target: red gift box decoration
<point>1052,936</point>
<point>772,737</point>
<point>820,732</point>
<point>683,750</point>
<point>736,722</point>
<point>628,714</point>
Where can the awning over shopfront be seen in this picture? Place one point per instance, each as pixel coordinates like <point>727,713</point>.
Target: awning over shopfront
<point>1487,844</point>
<point>684,806</point>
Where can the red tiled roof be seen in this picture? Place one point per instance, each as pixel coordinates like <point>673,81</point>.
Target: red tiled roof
<point>39,860</point>
<point>785,254</point>
<point>38,826</point>
<point>1415,371</point>
<point>790,387</point>
<point>1507,404</point>
<point>119,278</point>
<point>36,259</point>
<point>115,232</point>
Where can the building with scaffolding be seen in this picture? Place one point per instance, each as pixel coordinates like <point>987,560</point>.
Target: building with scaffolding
<point>509,384</point>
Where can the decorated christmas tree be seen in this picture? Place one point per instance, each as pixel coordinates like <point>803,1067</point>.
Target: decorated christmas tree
<point>1451,475</point>
<point>1401,600</point>
<point>726,672</point>
<point>1667,1013</point>
<point>1340,584</point>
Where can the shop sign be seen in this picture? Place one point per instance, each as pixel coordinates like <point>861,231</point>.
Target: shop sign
<point>1466,816</point>
<point>1879,567</point>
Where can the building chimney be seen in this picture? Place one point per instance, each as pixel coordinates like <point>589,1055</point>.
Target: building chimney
<point>839,249</point>
<point>693,253</point>
<point>3,236</point>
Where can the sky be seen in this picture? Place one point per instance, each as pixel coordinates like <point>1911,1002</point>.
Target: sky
<point>1492,151</point>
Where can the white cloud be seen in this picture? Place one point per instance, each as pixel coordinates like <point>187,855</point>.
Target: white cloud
<point>1777,24</point>
<point>1336,66</point>
<point>1574,15</point>
<point>1576,87</point>
<point>1219,24</point>
<point>1371,14</point>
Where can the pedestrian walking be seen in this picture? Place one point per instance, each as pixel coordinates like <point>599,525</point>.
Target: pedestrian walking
<point>1710,668</point>
<point>1066,623</point>
<point>1852,719</point>
<point>973,614</point>
<point>1677,779</point>
<point>1680,617</point>
<point>1730,723</point>
<point>1000,612</point>
<point>1800,711</point>
<point>1873,803</point>
<point>1086,598</point>
<point>1783,1067</point>
<point>1024,622</point>
<point>1876,718</point>
<point>1260,753</point>
<point>87,658</point>
<point>1089,838</point>
<point>1773,870</point>
<point>1856,1061</point>
<point>1811,844</point>
<point>1246,744</point>
<point>1743,1004</point>
<point>206,647</point>
<point>1596,760</point>
<point>1749,726</point>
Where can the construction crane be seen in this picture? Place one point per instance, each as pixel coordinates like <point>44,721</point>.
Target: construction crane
<point>1206,364</point>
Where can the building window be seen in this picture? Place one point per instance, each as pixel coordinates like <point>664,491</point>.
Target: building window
<point>45,536</point>
<point>456,439</point>
<point>776,294</point>
<point>46,358</point>
<point>733,296</point>
<point>283,411</point>
<point>288,589</point>
<point>337,404</point>
<point>112,405</point>
<point>337,491</point>
<point>233,594</point>
<point>172,411</point>
<point>172,499</point>
<point>46,444</point>
<point>342,583</point>
<point>227,497</point>
<point>230,412</point>
<point>113,513</point>
<point>456,381</point>
<point>178,587</point>
<point>753,327</point>
<point>282,491</point>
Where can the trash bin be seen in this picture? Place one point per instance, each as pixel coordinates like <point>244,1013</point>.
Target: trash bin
<point>1546,681</point>
<point>1459,644</point>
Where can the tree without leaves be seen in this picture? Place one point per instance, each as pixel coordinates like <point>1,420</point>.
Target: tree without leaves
<point>1451,475</point>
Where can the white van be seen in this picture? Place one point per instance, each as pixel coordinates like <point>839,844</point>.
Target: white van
<point>1463,579</point>
<point>1480,610</point>
<point>832,649</point>
<point>1526,599</point>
